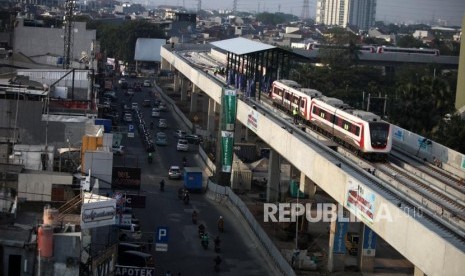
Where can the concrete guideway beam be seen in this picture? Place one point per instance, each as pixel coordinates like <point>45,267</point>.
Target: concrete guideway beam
<point>428,250</point>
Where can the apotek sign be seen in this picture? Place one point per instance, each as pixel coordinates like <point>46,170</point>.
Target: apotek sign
<point>134,271</point>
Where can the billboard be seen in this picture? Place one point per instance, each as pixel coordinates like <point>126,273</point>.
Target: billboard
<point>252,120</point>
<point>339,246</point>
<point>227,144</point>
<point>360,200</point>
<point>229,109</point>
<point>96,212</point>
<point>126,178</point>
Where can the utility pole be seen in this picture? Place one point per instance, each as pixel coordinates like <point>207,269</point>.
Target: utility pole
<point>234,7</point>
<point>305,10</point>
<point>68,35</point>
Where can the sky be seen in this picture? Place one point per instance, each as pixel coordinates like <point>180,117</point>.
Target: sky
<point>391,11</point>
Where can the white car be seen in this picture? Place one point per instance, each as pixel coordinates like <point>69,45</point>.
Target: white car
<point>118,150</point>
<point>155,112</point>
<point>134,106</point>
<point>146,83</point>
<point>174,172</point>
<point>182,145</point>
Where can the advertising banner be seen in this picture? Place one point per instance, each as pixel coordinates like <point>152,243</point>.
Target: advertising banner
<point>126,178</point>
<point>339,237</point>
<point>96,213</point>
<point>360,200</point>
<point>227,143</point>
<point>229,109</point>
<point>252,120</point>
<point>369,241</point>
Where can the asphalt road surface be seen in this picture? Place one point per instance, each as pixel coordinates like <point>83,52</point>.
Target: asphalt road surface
<point>239,252</point>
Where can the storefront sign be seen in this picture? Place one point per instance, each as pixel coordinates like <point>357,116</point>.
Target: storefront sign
<point>98,213</point>
<point>126,178</point>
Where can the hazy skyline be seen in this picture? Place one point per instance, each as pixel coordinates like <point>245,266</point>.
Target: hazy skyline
<point>399,11</point>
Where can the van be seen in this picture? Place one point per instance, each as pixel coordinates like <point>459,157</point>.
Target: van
<point>135,258</point>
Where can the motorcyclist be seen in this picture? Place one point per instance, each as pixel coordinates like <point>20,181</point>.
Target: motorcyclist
<point>217,242</point>
<point>217,261</point>
<point>185,196</point>
<point>221,224</point>
<point>194,217</point>
<point>201,230</point>
<point>184,161</point>
<point>162,185</point>
<point>204,239</point>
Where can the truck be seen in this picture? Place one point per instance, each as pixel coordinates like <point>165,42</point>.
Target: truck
<point>193,178</point>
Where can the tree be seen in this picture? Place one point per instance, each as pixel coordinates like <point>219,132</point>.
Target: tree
<point>409,41</point>
<point>452,133</point>
<point>120,41</point>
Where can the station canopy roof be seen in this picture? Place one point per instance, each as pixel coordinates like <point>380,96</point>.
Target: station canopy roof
<point>241,46</point>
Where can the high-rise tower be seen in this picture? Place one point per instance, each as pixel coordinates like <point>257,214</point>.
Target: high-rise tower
<point>305,10</point>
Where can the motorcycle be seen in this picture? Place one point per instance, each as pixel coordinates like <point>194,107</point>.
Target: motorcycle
<point>162,186</point>
<point>194,217</point>
<point>201,231</point>
<point>186,199</point>
<point>217,261</point>
<point>204,241</point>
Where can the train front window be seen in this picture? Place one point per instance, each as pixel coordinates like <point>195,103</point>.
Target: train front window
<point>379,133</point>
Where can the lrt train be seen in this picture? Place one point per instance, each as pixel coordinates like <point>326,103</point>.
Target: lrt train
<point>376,49</point>
<point>361,131</point>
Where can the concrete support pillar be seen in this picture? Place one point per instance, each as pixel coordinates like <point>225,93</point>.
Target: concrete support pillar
<point>307,186</point>
<point>337,248</point>
<point>194,104</point>
<point>418,272</point>
<point>367,244</point>
<point>165,65</point>
<point>274,177</point>
<point>212,107</point>
<point>177,83</point>
<point>184,84</point>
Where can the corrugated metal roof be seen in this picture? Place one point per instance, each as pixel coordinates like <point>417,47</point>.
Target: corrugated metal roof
<point>148,49</point>
<point>241,46</point>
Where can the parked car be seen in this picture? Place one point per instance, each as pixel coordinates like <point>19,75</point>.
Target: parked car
<point>174,172</point>
<point>162,123</point>
<point>161,139</point>
<point>134,106</point>
<point>147,83</point>
<point>182,145</point>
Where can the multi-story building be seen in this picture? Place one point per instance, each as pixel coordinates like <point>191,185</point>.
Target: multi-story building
<point>360,13</point>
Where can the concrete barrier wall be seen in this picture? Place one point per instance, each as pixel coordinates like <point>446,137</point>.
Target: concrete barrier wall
<point>410,142</point>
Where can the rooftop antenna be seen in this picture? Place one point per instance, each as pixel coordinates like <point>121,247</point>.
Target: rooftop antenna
<point>68,36</point>
<point>234,7</point>
<point>199,5</point>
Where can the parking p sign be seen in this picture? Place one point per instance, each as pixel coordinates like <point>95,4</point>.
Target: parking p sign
<point>161,239</point>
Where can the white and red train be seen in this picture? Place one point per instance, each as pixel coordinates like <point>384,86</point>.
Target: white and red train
<point>377,49</point>
<point>362,131</point>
